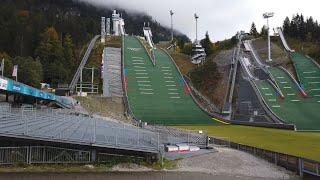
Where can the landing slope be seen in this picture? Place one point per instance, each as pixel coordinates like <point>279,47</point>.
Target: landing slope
<point>158,94</point>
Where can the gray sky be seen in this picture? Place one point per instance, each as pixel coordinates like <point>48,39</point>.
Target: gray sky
<point>221,18</point>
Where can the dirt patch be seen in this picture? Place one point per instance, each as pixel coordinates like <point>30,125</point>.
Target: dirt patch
<point>183,61</point>
<point>234,163</point>
<point>278,54</point>
<point>223,60</point>
<point>103,106</point>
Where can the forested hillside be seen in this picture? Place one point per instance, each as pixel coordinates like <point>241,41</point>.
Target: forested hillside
<point>47,38</point>
<point>303,35</point>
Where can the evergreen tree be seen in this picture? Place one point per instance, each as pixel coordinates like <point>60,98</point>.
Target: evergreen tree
<point>28,67</point>
<point>207,44</point>
<point>50,52</point>
<point>68,51</point>
<point>286,26</point>
<point>253,30</point>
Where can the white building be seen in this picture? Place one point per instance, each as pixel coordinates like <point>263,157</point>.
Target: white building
<point>103,29</point>
<point>118,24</point>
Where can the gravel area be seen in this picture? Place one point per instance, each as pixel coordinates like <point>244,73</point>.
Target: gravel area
<point>235,163</point>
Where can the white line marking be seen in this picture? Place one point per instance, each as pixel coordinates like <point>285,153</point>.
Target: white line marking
<point>284,82</point>
<point>137,60</point>
<point>272,100</point>
<point>137,57</point>
<point>143,81</point>
<point>169,81</point>
<point>314,89</point>
<point>268,94</point>
<point>280,77</point>
<point>144,89</point>
<point>176,97</point>
<point>170,74</point>
<point>166,70</point>
<point>139,67</point>
<point>276,106</point>
<point>314,77</point>
<point>144,85</point>
<point>287,87</point>
<point>295,100</point>
<point>146,93</point>
<point>309,72</point>
<point>139,70</point>
<point>142,77</point>
<point>137,63</point>
<point>142,73</point>
<point>171,85</point>
<point>265,88</point>
<point>291,94</point>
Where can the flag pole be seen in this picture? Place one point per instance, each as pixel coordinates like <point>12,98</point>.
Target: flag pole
<point>2,66</point>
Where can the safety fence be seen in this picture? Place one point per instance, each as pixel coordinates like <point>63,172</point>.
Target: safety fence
<point>42,155</point>
<point>56,155</point>
<point>293,163</point>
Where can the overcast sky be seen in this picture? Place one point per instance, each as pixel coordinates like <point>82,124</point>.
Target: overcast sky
<point>221,18</point>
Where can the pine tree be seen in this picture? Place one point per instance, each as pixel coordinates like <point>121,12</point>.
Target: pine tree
<point>253,30</point>
<point>69,55</point>
<point>286,26</point>
<point>207,44</point>
<point>50,52</point>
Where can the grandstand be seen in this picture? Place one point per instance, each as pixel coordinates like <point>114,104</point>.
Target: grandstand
<point>158,94</point>
<point>67,126</point>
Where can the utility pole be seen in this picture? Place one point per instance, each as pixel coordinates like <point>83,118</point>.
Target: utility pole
<point>171,14</point>
<point>81,82</point>
<point>92,77</point>
<point>2,67</point>
<point>196,17</point>
<point>268,15</point>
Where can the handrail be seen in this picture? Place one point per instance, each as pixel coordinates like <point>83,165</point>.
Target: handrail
<point>145,48</point>
<point>83,63</point>
<point>294,80</point>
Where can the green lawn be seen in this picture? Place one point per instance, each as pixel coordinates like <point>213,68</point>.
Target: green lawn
<point>301,144</point>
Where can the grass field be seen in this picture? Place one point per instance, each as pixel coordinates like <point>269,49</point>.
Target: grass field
<point>301,144</point>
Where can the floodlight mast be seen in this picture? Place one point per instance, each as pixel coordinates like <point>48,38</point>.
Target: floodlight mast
<point>196,17</point>
<point>171,14</point>
<point>268,15</point>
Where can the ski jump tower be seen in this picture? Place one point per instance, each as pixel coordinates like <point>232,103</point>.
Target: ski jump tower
<point>118,24</point>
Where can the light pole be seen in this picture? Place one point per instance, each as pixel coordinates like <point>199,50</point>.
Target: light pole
<point>268,15</point>
<point>171,14</point>
<point>196,17</point>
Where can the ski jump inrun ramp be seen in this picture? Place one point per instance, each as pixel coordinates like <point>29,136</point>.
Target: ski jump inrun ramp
<point>158,94</point>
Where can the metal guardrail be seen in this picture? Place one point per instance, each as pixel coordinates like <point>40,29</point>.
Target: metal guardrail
<point>84,60</point>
